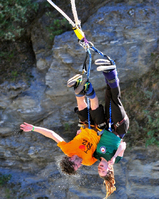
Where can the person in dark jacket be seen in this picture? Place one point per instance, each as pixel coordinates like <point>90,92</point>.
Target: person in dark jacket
<point>113,128</point>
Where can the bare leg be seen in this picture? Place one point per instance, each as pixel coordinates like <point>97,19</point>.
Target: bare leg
<point>81,103</point>
<point>96,111</point>
<point>94,103</point>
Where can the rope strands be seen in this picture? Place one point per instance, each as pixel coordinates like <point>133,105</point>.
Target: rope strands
<point>75,26</point>
<point>74,12</point>
<point>60,11</point>
<point>77,29</point>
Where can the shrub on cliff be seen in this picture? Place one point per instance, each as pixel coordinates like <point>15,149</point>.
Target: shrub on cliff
<point>14,15</point>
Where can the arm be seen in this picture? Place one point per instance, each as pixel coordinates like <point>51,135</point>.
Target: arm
<point>119,152</point>
<point>46,132</point>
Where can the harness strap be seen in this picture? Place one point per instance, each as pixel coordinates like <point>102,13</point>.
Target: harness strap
<point>88,73</point>
<point>110,121</point>
<point>120,123</point>
<point>94,127</point>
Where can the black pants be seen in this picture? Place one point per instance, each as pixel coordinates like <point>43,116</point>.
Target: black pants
<point>97,116</point>
<point>118,113</point>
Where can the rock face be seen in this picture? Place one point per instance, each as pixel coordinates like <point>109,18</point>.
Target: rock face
<point>126,32</point>
<point>136,176</point>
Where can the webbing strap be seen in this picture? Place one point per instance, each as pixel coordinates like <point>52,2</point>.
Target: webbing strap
<point>88,74</point>
<point>104,55</point>
<point>112,62</point>
<point>120,123</point>
<point>90,63</point>
<point>99,52</point>
<point>110,120</point>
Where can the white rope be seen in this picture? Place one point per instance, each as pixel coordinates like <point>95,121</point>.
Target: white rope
<point>58,9</point>
<point>74,11</point>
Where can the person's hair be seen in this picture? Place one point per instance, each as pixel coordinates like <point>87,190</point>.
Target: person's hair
<point>67,166</point>
<point>109,182</point>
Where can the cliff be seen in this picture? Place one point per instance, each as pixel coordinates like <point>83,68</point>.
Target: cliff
<point>33,89</point>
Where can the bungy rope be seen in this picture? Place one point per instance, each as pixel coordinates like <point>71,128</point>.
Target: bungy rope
<point>76,26</point>
<point>74,12</point>
<point>77,29</point>
<point>60,11</point>
<point>79,33</point>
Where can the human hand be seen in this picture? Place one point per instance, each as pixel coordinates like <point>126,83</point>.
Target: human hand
<point>112,161</point>
<point>78,132</point>
<point>26,127</point>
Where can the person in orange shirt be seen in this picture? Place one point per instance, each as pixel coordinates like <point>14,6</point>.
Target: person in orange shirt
<point>88,146</point>
<point>80,150</point>
<point>111,147</point>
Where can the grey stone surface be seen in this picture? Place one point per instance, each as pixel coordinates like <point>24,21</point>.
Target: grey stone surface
<point>136,175</point>
<point>127,32</point>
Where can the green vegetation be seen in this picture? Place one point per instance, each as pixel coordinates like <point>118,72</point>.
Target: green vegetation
<point>8,193</point>
<point>141,101</point>
<point>16,55</point>
<point>6,55</point>
<point>4,178</point>
<point>14,65</point>
<point>67,127</point>
<point>8,189</point>
<point>57,26</point>
<point>152,126</point>
<point>14,14</point>
<point>14,75</point>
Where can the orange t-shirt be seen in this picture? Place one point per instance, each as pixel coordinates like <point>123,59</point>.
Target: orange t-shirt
<point>82,145</point>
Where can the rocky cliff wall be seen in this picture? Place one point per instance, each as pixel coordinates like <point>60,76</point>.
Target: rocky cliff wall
<point>128,33</point>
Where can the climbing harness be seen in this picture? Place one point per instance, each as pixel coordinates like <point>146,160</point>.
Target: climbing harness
<point>88,46</point>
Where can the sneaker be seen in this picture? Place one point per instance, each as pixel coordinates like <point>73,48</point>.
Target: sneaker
<point>105,65</point>
<point>74,81</point>
<point>82,87</point>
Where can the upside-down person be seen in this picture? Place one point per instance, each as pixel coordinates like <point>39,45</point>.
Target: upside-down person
<point>89,145</point>
<point>111,147</point>
<point>80,150</point>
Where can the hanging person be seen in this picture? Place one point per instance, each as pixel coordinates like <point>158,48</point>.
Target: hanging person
<point>89,145</point>
<point>111,147</point>
<point>78,151</point>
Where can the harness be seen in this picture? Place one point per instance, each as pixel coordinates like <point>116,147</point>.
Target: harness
<point>94,127</point>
